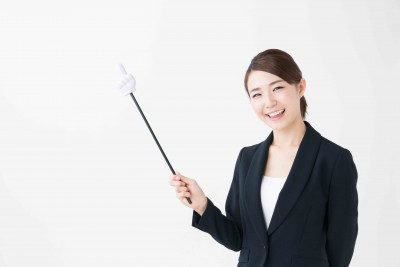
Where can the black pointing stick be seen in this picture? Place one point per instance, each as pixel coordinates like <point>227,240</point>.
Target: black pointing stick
<point>127,86</point>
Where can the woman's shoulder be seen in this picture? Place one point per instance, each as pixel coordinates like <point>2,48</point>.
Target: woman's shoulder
<point>331,152</point>
<point>327,145</point>
<point>252,148</point>
<point>249,151</point>
<point>331,148</point>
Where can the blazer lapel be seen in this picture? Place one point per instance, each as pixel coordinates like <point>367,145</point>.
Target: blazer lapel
<point>252,186</point>
<point>295,182</point>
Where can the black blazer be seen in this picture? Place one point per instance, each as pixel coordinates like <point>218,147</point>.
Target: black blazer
<point>314,223</point>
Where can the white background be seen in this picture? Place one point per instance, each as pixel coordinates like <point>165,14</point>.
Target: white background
<point>82,182</point>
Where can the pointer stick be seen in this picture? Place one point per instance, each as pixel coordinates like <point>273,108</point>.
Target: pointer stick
<point>128,85</point>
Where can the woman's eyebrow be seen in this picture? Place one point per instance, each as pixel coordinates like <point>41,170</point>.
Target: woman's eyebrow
<point>275,82</point>
<point>272,83</point>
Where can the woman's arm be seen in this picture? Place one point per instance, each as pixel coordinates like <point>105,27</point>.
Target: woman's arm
<point>342,212</point>
<point>207,217</point>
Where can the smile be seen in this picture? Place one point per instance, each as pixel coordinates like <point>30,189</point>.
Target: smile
<point>274,114</point>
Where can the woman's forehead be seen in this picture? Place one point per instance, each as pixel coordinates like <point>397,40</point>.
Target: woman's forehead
<point>261,79</point>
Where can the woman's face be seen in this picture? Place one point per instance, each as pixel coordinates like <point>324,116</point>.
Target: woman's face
<point>270,93</point>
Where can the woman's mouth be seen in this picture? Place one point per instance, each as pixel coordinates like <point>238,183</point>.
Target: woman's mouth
<point>276,115</point>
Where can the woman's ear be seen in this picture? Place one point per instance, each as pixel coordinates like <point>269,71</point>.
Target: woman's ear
<point>301,87</point>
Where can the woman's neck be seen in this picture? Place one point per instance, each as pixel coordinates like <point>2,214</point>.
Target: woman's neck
<point>290,136</point>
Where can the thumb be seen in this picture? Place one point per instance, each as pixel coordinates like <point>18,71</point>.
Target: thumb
<point>183,178</point>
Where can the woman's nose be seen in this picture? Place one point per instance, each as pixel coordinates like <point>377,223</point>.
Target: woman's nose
<point>269,101</point>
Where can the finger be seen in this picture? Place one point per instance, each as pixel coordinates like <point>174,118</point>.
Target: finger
<point>131,78</point>
<point>174,178</point>
<point>185,179</point>
<point>177,183</point>
<point>181,189</point>
<point>180,176</point>
<point>122,69</point>
<point>182,195</point>
<point>184,201</point>
<point>121,84</point>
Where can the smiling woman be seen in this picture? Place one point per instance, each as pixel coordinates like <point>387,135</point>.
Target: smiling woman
<point>273,98</point>
<point>293,199</point>
<point>282,67</point>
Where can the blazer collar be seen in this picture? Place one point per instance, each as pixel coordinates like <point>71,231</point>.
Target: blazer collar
<point>295,182</point>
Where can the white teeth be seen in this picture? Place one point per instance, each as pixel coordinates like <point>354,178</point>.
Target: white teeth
<point>275,113</point>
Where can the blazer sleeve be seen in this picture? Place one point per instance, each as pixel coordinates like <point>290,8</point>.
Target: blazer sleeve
<point>227,230</point>
<point>342,211</point>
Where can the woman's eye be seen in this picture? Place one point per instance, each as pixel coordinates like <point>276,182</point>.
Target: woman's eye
<point>255,95</point>
<point>279,87</point>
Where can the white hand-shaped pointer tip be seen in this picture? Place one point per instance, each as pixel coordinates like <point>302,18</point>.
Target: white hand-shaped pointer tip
<point>127,83</point>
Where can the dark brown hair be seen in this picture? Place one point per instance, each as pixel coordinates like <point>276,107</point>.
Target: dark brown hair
<point>281,64</point>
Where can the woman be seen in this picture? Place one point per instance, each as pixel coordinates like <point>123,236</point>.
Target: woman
<point>293,199</point>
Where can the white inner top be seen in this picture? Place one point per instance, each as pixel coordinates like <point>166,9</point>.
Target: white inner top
<point>270,189</point>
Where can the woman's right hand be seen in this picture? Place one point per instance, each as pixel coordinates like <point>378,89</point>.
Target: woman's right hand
<point>186,187</point>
